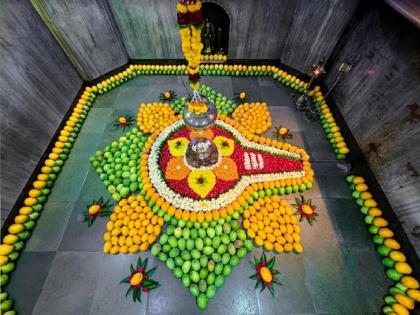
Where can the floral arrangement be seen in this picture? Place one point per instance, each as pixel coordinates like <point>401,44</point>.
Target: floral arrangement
<point>241,98</point>
<point>282,133</point>
<point>288,165</point>
<point>197,107</point>
<point>97,208</point>
<point>140,280</point>
<point>254,117</point>
<point>190,23</point>
<point>124,122</point>
<point>167,96</point>
<point>265,274</point>
<point>20,231</point>
<point>305,209</point>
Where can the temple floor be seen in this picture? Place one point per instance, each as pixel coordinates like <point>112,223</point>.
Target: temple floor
<point>64,271</point>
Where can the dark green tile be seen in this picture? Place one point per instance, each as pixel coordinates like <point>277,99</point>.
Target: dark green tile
<point>334,187</point>
<point>349,222</point>
<point>332,279</point>
<point>293,296</point>
<point>84,148</point>
<point>50,227</point>
<point>93,188</point>
<point>71,284</point>
<point>96,120</point>
<point>28,279</point>
<point>106,100</point>
<point>70,181</point>
<point>109,294</point>
<point>118,131</point>
<point>78,236</point>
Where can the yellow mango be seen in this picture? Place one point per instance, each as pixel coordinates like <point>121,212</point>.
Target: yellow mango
<point>409,282</point>
<point>405,301</point>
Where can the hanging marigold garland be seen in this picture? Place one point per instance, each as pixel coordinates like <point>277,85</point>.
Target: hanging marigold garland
<point>190,23</point>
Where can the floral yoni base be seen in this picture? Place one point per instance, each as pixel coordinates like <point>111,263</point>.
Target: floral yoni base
<point>237,164</point>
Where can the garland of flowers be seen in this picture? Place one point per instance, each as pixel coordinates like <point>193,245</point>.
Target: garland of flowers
<point>190,22</point>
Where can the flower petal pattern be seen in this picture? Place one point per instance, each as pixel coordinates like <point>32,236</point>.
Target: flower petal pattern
<point>201,134</point>
<point>201,182</point>
<point>227,169</point>
<point>178,146</point>
<point>225,145</point>
<point>176,169</point>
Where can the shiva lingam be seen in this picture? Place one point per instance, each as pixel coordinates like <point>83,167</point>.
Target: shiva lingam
<point>199,115</point>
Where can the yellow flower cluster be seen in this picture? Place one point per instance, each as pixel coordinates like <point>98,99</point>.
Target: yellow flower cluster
<point>191,42</point>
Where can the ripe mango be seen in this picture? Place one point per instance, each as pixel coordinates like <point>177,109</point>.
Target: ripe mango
<point>405,301</point>
<point>409,282</point>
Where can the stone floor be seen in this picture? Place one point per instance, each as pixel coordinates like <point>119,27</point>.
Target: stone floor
<point>63,270</point>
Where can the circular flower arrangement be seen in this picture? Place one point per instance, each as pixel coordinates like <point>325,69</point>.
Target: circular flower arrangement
<point>242,163</point>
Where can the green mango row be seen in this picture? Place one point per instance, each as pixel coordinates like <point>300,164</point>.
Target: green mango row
<point>404,292</point>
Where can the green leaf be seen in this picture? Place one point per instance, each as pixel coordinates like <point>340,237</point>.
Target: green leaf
<point>131,268</point>
<point>139,262</point>
<point>125,280</point>
<point>151,272</point>
<point>145,263</point>
<point>128,291</point>
<point>271,263</point>
<point>271,289</point>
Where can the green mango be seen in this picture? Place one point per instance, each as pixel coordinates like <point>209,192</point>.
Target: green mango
<point>6,305</point>
<point>3,296</point>
<point>194,276</point>
<point>389,300</point>
<point>227,269</point>
<point>7,268</point>
<point>383,250</point>
<point>194,290</point>
<point>4,279</point>
<point>388,262</point>
<point>208,250</point>
<point>393,274</point>
<point>156,248</point>
<point>202,301</point>
<point>179,261</point>
<point>18,246</point>
<point>29,225</point>
<point>24,235</point>
<point>186,281</point>
<point>177,272</point>
<point>234,260</point>
<point>378,240</point>
<point>170,264</point>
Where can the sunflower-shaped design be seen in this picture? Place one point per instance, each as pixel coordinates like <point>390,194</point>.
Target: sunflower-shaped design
<point>305,209</point>
<point>201,181</point>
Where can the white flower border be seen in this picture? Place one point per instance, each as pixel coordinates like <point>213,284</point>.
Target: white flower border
<point>187,203</point>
